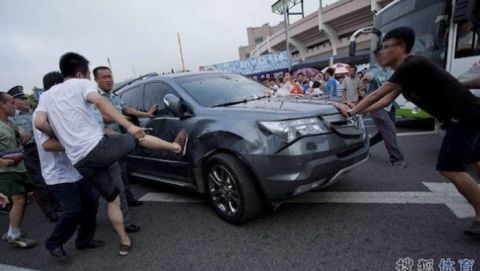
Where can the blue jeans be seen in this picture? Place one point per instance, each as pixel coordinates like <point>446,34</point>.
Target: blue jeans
<point>79,212</point>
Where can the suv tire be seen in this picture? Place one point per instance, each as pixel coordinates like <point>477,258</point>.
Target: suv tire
<point>231,189</point>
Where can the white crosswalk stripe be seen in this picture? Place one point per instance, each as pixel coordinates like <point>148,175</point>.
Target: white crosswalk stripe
<point>440,193</point>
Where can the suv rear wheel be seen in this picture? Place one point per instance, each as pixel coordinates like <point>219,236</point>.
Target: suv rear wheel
<point>231,189</point>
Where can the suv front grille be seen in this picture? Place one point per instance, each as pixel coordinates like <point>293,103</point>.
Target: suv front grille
<point>344,126</point>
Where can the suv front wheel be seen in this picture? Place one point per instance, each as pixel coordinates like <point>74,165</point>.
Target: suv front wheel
<point>231,189</point>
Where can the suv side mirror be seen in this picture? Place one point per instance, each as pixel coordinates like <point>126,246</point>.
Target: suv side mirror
<point>173,103</point>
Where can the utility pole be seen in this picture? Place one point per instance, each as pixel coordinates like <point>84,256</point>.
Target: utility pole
<point>287,36</point>
<point>134,70</point>
<point>109,64</point>
<point>181,52</point>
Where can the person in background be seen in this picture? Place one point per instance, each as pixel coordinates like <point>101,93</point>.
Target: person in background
<point>23,119</point>
<point>331,84</point>
<point>351,86</point>
<point>104,79</point>
<point>363,83</point>
<point>303,82</point>
<point>15,182</point>
<point>315,86</point>
<point>384,118</point>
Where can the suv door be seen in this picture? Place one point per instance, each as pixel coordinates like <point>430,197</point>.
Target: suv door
<point>166,126</point>
<point>133,98</point>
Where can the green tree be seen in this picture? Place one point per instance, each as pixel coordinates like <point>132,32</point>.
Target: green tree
<point>32,98</point>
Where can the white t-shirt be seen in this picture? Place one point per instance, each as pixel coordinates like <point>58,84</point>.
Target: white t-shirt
<point>56,167</point>
<point>72,117</point>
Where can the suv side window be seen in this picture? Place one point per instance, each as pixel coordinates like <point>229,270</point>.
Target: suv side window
<point>134,98</point>
<point>154,94</point>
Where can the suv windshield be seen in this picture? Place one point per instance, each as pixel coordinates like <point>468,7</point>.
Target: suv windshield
<point>212,90</point>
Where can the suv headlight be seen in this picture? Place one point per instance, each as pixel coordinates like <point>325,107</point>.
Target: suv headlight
<point>293,129</point>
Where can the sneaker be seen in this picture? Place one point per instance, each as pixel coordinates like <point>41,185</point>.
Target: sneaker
<point>474,229</point>
<point>22,242</point>
<point>5,236</point>
<point>123,250</point>
<point>399,164</point>
<point>182,140</point>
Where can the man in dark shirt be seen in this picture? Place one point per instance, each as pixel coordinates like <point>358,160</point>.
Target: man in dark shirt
<point>441,95</point>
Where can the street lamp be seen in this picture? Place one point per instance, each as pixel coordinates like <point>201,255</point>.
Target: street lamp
<point>283,7</point>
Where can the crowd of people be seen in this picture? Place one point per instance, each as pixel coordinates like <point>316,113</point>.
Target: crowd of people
<point>70,150</point>
<point>350,86</point>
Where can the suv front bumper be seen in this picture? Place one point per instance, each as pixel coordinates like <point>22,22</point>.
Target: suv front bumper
<point>310,162</point>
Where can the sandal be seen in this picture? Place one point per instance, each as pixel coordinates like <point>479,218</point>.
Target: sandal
<point>123,250</point>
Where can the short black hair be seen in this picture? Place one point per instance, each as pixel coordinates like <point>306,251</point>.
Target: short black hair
<point>353,67</point>
<point>300,74</point>
<point>95,71</point>
<point>51,79</point>
<point>330,71</point>
<point>405,34</point>
<point>71,63</point>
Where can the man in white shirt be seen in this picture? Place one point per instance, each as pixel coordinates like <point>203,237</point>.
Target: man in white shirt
<point>68,186</point>
<point>351,86</point>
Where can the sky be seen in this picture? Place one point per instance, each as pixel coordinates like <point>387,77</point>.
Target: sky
<point>137,36</point>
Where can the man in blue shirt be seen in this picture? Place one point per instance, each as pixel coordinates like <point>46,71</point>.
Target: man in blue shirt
<point>331,85</point>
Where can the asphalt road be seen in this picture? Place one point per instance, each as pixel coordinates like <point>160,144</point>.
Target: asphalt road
<point>296,236</point>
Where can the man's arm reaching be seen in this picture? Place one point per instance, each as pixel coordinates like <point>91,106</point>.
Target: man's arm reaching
<point>108,110</point>
<point>376,100</point>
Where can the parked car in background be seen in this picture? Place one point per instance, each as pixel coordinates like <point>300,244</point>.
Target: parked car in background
<point>245,149</point>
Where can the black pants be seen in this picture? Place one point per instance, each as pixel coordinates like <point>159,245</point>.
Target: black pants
<point>79,212</point>
<point>461,144</point>
<point>99,166</point>
<point>44,197</point>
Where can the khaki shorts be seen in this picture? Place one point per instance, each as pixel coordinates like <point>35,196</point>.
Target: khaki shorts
<point>15,183</point>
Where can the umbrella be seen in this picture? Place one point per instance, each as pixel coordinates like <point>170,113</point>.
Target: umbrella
<point>308,72</point>
<point>340,68</point>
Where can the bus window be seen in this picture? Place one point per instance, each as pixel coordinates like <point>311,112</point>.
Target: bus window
<point>468,43</point>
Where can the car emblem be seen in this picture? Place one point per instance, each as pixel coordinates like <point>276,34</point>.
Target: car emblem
<point>354,122</point>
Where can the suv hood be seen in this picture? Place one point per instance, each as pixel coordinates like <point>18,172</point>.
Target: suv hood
<point>290,104</point>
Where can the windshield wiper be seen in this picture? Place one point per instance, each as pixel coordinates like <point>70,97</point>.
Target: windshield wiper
<point>229,103</point>
<point>242,101</point>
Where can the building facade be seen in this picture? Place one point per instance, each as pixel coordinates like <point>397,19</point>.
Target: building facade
<point>320,35</point>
